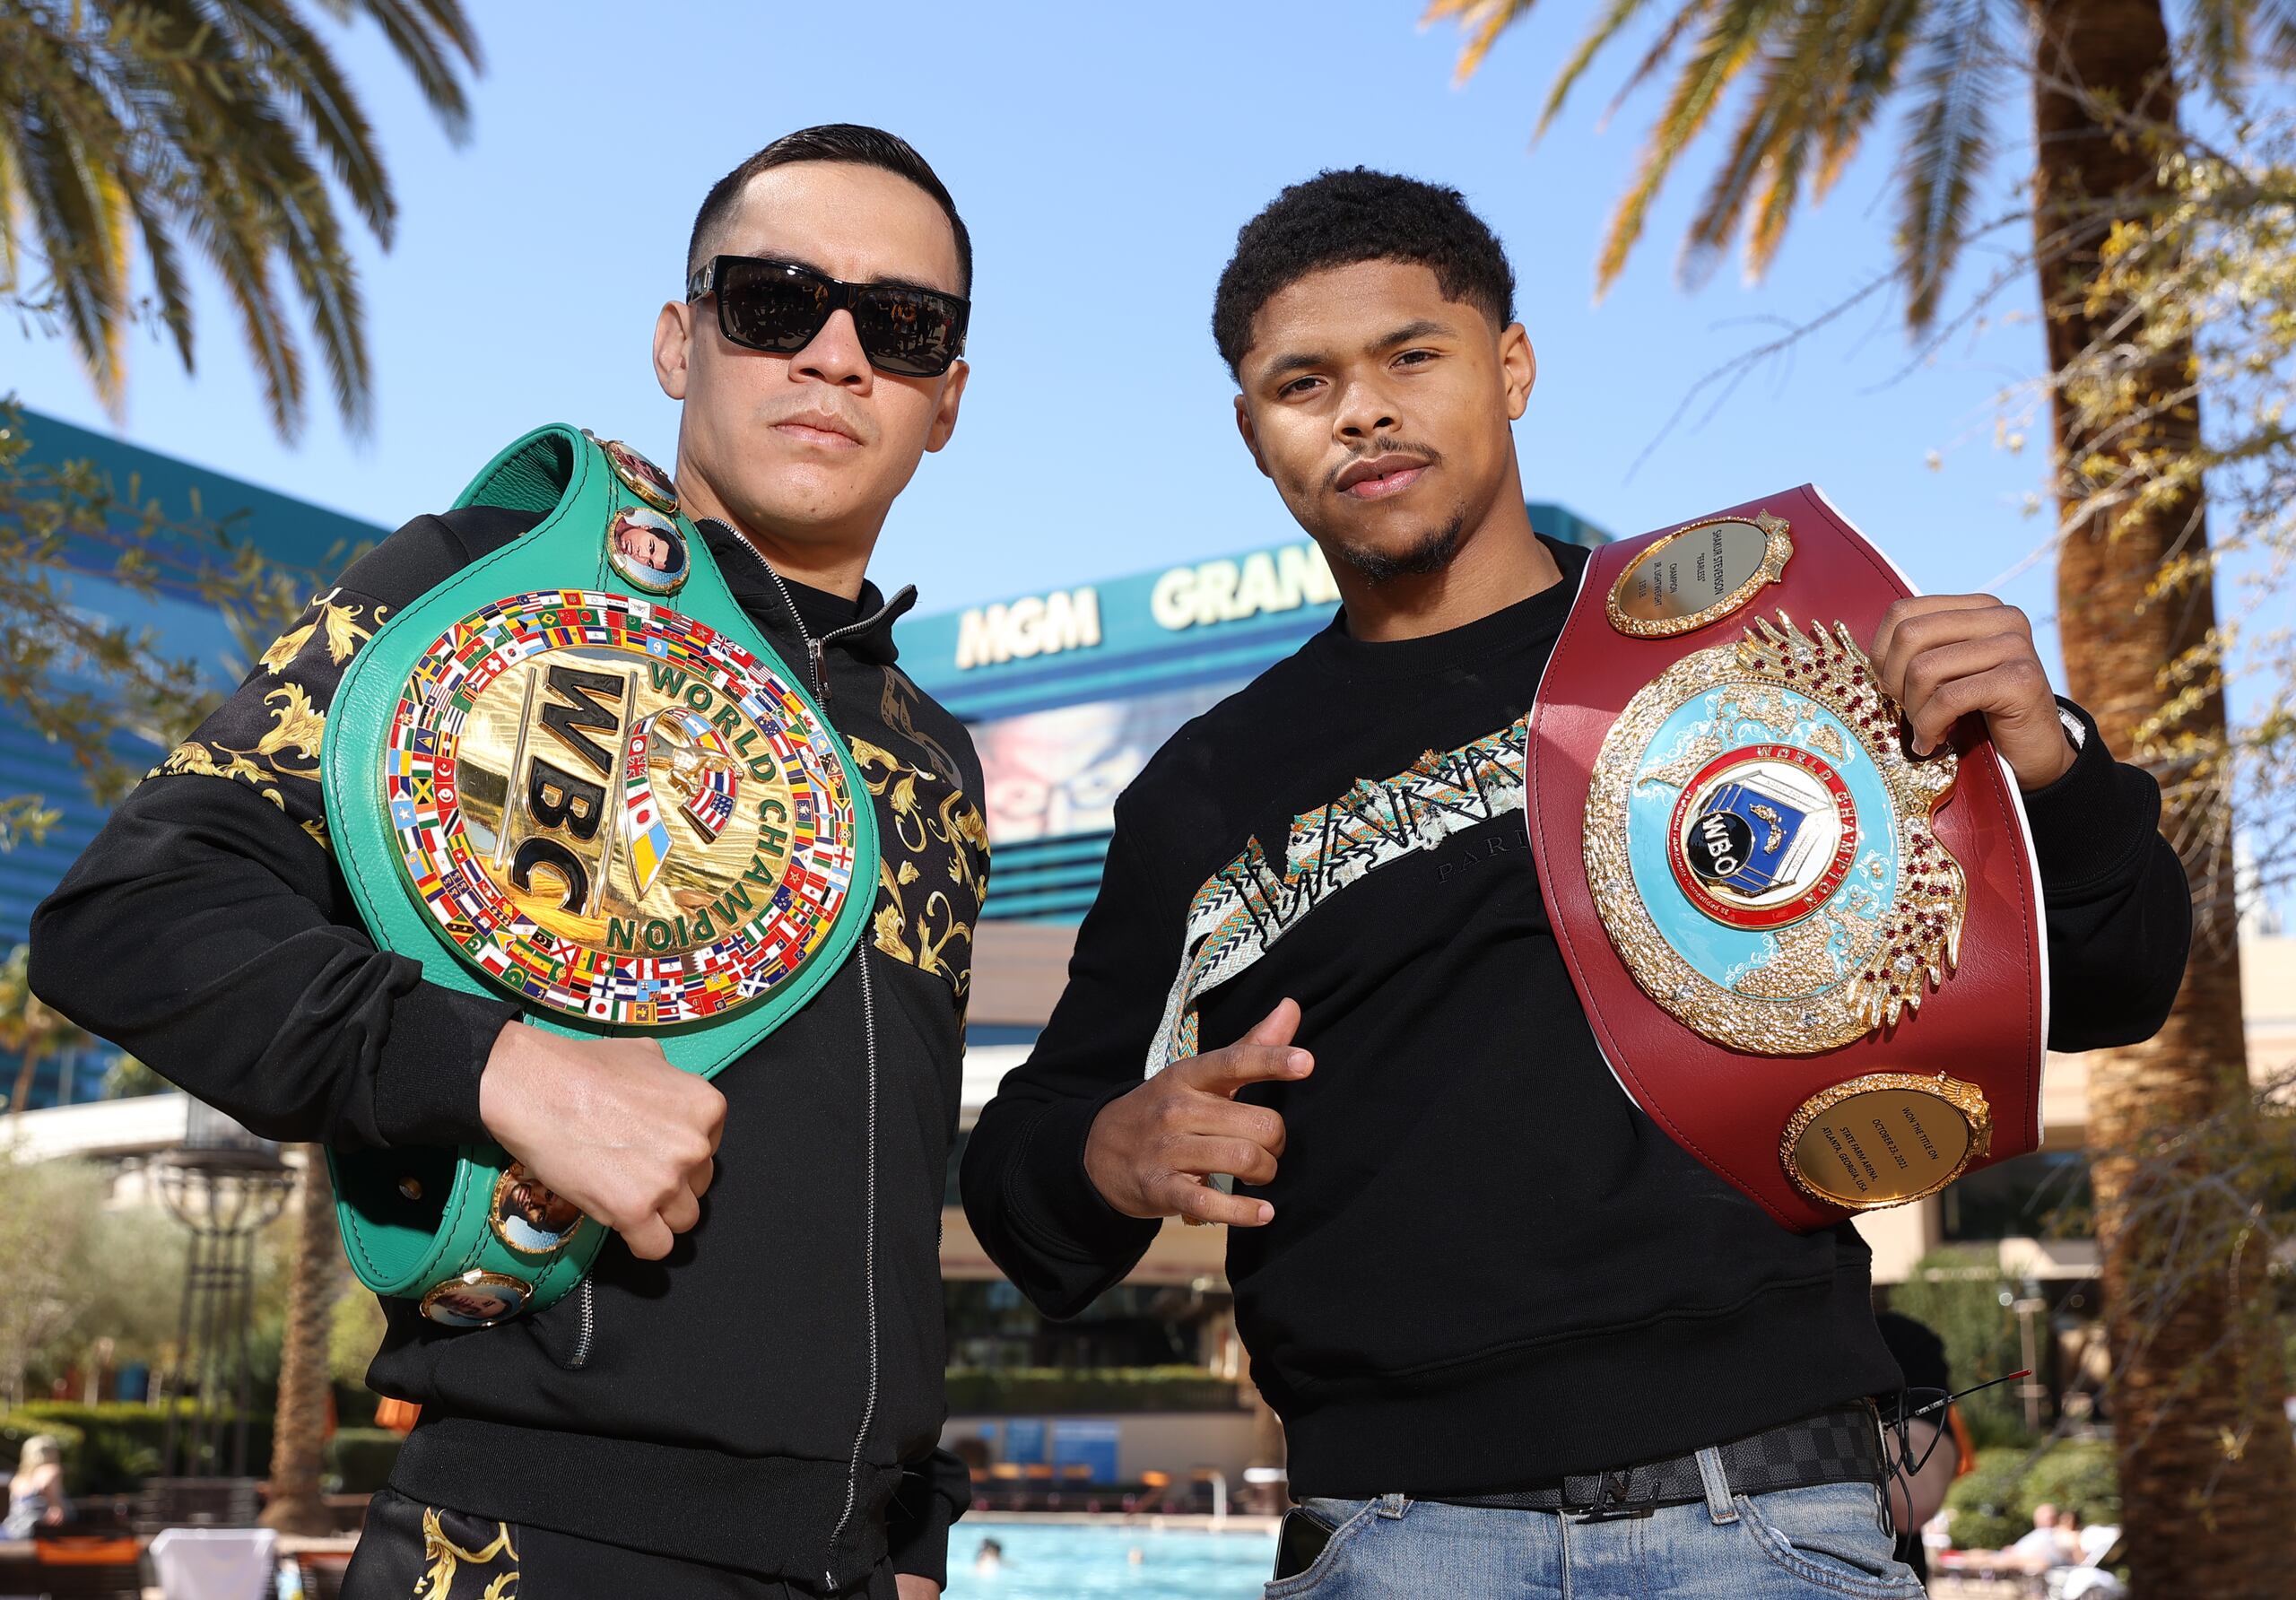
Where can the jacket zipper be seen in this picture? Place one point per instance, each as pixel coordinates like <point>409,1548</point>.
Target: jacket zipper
<point>586,1324</point>
<point>815,649</point>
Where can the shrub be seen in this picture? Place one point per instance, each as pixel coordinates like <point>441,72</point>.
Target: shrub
<point>1992,1507</point>
<point>1987,1514</point>
<point>2077,1477</point>
<point>121,1443</point>
<point>359,1459</point>
<point>1024,1390</point>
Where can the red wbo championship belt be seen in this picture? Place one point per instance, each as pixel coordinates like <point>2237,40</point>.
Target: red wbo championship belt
<point>1815,961</point>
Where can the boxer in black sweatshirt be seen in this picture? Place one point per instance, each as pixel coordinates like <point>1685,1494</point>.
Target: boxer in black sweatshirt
<point>1466,1268</point>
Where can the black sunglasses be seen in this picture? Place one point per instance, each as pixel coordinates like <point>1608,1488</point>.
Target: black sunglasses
<point>778,307</point>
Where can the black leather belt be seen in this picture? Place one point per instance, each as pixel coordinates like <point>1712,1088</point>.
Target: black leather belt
<point>1840,1446</point>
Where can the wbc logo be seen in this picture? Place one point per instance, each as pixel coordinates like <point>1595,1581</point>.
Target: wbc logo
<point>616,810</point>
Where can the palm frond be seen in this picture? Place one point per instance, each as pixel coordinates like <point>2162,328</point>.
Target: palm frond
<point>328,282</point>
<point>1732,36</point>
<point>80,214</point>
<point>11,214</point>
<point>1606,28</point>
<point>2216,33</point>
<point>1482,21</point>
<point>422,35</point>
<point>1661,51</point>
<point>306,71</point>
<point>167,281</point>
<point>213,126</point>
<point>1957,77</point>
<point>1781,116</point>
<point>1876,34</point>
<point>237,246</point>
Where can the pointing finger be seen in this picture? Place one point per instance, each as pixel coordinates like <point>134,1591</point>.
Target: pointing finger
<point>1225,1071</point>
<point>1201,1203</point>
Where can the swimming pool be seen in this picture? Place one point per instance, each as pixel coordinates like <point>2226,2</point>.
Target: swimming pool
<point>1062,1560</point>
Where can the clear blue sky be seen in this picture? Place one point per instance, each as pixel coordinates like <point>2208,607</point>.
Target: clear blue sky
<point>1104,157</point>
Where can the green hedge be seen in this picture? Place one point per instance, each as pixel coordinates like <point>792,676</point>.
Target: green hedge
<point>1993,1506</point>
<point>359,1459</point>
<point>2082,1478</point>
<point>994,1390</point>
<point>110,1448</point>
<point>1984,1503</point>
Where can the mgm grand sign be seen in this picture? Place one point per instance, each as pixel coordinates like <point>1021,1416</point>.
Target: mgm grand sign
<point>1815,959</point>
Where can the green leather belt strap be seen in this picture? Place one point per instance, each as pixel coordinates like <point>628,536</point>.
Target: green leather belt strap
<point>577,775</point>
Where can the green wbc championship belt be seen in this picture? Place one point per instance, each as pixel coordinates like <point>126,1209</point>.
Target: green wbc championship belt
<point>577,774</point>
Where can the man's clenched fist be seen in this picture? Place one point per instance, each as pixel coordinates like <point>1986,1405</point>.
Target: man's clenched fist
<point>610,1125</point>
<point>1150,1151</point>
<point>1941,657</point>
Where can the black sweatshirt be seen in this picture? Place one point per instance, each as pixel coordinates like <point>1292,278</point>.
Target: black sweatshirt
<point>1486,1267</point>
<point>711,1405</point>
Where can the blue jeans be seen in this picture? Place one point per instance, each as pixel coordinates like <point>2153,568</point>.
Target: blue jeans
<point>1819,1544</point>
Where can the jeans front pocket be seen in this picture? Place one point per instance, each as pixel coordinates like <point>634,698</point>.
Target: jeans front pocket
<point>1831,1537</point>
<point>1348,1520</point>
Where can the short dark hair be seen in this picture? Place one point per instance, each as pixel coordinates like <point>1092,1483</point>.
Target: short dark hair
<point>1340,218</point>
<point>849,142</point>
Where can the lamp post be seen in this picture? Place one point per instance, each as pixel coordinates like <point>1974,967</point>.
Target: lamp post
<point>2027,1306</point>
<point>225,1185</point>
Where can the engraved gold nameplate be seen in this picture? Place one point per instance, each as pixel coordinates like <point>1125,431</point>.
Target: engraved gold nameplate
<point>1885,1138</point>
<point>614,810</point>
<point>1700,574</point>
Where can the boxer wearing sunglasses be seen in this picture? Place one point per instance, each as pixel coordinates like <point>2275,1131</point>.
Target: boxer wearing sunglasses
<point>831,358</point>
<point>779,307</point>
<point>743,1396</point>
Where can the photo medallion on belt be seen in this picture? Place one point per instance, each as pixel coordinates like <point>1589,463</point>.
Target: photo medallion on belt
<point>475,1300</point>
<point>1759,849</point>
<point>614,812</point>
<point>529,1217</point>
<point>645,550</point>
<point>647,482</point>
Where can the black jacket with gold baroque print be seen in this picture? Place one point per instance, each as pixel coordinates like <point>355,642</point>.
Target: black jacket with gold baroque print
<point>706,1405</point>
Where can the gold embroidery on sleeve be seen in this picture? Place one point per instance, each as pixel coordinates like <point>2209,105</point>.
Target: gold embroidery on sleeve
<point>343,634</point>
<point>948,842</point>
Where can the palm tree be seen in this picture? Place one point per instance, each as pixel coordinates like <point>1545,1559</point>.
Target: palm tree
<point>28,1029</point>
<point>2208,1478</point>
<point>219,127</point>
<point>224,129</point>
<point>299,1439</point>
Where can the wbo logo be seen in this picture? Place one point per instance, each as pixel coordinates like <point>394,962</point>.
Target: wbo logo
<point>1763,836</point>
